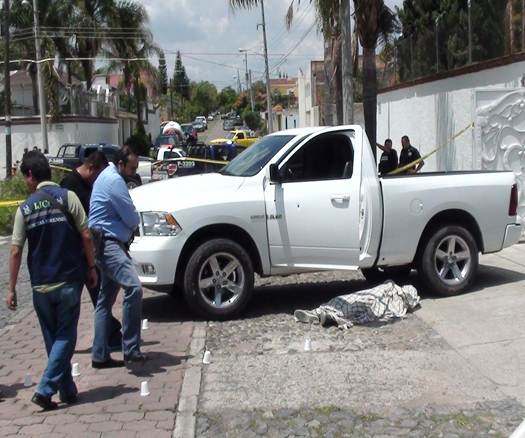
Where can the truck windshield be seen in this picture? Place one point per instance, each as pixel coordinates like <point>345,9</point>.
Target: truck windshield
<point>253,159</point>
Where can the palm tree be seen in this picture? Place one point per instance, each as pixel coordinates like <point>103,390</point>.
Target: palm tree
<point>328,22</point>
<point>95,14</point>
<point>133,52</point>
<point>375,23</point>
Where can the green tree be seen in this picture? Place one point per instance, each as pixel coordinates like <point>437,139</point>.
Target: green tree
<point>375,24</point>
<point>205,97</point>
<point>226,99</point>
<point>163,74</point>
<point>132,52</point>
<point>416,47</point>
<point>252,119</point>
<point>181,82</point>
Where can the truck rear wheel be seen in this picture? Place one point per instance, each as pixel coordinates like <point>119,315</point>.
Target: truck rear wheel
<point>449,260</point>
<point>218,280</point>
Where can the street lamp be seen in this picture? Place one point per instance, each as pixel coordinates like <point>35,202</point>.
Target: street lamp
<point>248,82</point>
<point>7,93</point>
<point>38,56</point>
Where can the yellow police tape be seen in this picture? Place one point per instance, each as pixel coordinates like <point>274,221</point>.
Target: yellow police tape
<point>15,203</point>
<point>65,169</point>
<point>415,162</point>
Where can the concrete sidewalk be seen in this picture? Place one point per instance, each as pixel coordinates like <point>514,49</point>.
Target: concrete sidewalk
<point>109,400</point>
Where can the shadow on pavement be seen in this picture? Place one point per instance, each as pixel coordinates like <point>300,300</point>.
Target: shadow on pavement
<point>166,308</point>
<point>157,363</point>
<point>103,393</point>
<point>287,298</point>
<point>10,391</point>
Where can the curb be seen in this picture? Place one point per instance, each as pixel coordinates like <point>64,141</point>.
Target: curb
<point>187,408</point>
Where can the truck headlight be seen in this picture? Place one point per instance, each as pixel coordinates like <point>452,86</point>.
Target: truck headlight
<point>159,223</point>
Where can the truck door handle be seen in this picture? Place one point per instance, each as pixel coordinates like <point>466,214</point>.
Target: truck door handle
<point>340,198</point>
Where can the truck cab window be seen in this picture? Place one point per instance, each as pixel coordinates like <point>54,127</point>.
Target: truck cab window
<point>326,157</point>
<point>240,136</point>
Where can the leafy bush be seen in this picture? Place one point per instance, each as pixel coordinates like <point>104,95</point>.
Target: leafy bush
<point>15,189</point>
<point>252,119</point>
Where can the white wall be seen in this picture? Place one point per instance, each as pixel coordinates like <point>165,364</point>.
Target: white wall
<point>29,135</point>
<point>432,112</point>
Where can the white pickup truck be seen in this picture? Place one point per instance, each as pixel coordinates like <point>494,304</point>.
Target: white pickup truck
<point>308,200</point>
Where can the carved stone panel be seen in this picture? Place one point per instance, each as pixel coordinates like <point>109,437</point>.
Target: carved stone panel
<point>501,128</point>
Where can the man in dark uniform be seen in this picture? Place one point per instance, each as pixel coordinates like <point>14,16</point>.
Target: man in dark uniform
<point>60,261</point>
<point>409,154</point>
<point>80,181</point>
<point>388,160</point>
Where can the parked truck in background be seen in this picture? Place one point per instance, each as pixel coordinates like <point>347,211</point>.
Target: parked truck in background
<point>309,200</point>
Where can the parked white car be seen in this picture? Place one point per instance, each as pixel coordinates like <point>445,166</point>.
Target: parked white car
<point>203,120</point>
<point>308,200</point>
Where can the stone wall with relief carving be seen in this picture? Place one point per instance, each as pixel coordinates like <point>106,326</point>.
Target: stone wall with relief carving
<point>501,127</point>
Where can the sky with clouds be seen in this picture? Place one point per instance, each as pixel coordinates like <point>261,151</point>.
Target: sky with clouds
<point>209,35</point>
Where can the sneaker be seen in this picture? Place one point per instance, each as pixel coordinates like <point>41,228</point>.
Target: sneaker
<point>306,316</point>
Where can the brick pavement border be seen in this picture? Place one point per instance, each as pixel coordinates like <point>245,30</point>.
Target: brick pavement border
<point>187,407</point>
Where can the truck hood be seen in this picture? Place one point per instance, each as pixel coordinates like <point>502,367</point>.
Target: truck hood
<point>185,192</point>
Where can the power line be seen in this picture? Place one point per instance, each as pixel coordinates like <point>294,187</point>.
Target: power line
<point>283,59</point>
<point>304,13</point>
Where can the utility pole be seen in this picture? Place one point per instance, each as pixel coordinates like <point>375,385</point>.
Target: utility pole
<point>7,94</point>
<point>346,63</point>
<point>267,72</point>
<point>247,77</point>
<point>171,99</point>
<point>252,101</point>
<point>239,85</point>
<point>41,93</point>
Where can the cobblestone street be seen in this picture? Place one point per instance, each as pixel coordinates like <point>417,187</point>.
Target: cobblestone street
<point>402,379</point>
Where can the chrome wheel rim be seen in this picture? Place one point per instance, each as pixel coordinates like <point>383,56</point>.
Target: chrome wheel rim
<point>221,280</point>
<point>452,260</point>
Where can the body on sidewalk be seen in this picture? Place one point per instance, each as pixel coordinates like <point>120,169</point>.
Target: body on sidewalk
<point>60,260</point>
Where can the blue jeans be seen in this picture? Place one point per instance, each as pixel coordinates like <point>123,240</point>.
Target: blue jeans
<point>115,335</point>
<point>117,271</point>
<point>58,312</point>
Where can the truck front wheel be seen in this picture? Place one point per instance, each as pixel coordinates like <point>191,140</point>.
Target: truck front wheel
<point>218,279</point>
<point>449,260</point>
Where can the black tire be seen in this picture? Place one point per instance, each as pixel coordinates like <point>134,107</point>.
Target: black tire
<point>198,266</point>
<point>430,265</point>
<point>379,275</point>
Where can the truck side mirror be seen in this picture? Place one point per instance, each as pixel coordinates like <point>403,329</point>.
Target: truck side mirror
<point>275,176</point>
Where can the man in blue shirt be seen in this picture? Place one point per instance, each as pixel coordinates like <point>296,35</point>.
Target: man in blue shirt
<point>113,221</point>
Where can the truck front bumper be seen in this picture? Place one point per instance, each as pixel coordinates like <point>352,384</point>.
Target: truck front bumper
<point>512,235</point>
<point>156,258</point>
